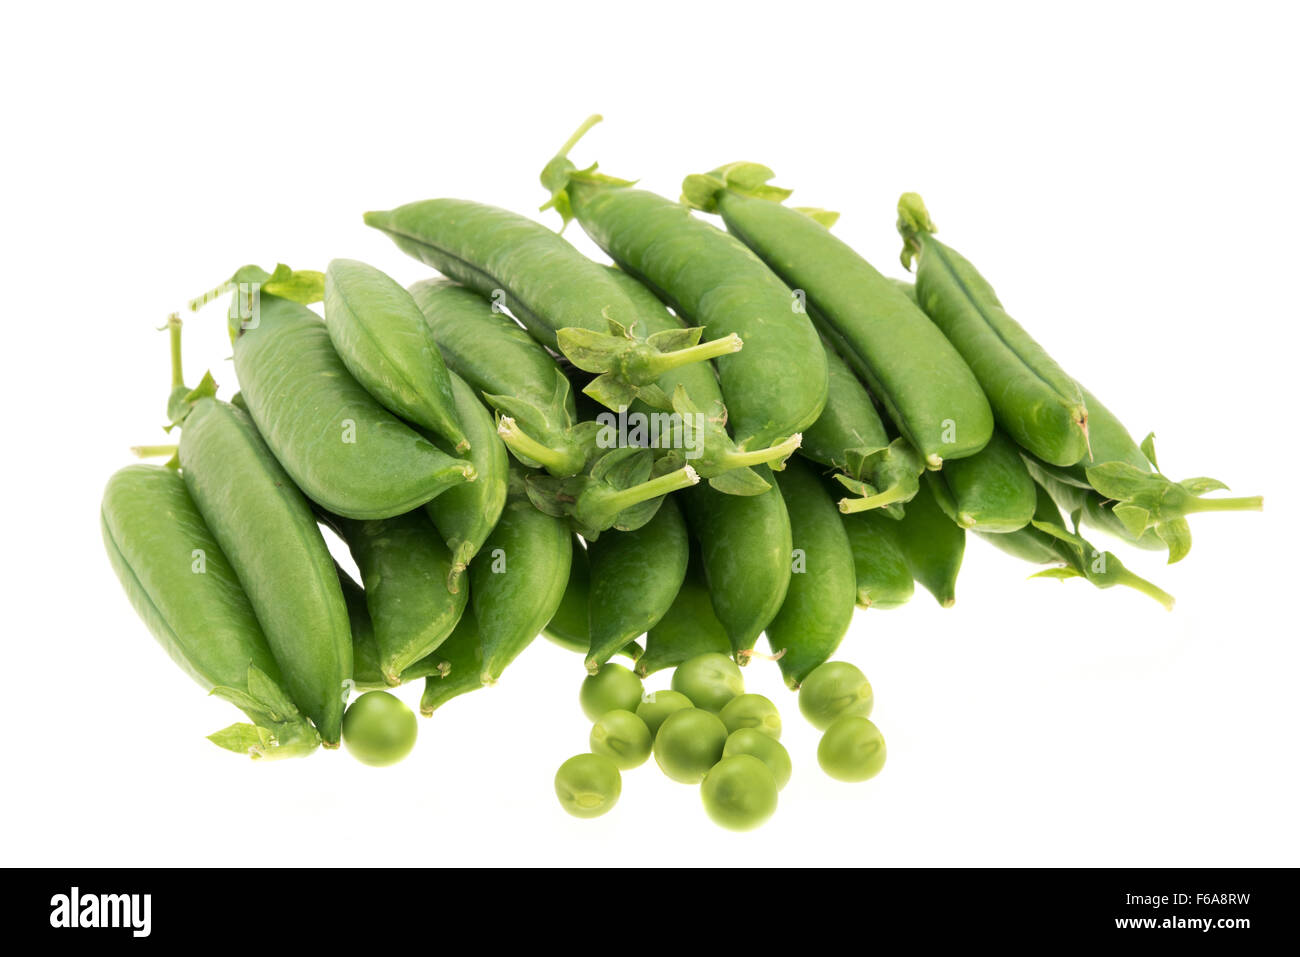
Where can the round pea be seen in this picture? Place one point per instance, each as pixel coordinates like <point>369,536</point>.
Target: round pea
<point>613,688</point>
<point>709,680</point>
<point>588,785</point>
<point>767,749</point>
<point>832,690</point>
<point>689,742</point>
<point>739,793</point>
<point>378,729</point>
<point>751,711</point>
<point>658,705</point>
<point>623,738</point>
<point>852,749</point>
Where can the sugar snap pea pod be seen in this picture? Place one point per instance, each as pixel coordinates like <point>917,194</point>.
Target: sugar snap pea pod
<point>634,578</point>
<point>990,491</point>
<point>404,568</point>
<point>186,591</point>
<point>711,279</point>
<point>745,548</point>
<point>1046,539</point>
<point>823,588</point>
<point>1033,399</point>
<point>932,545</point>
<point>570,626</point>
<point>566,301</point>
<point>923,383</point>
<point>342,448</point>
<point>381,336</point>
<point>466,514</point>
<point>367,675</point>
<point>689,627</point>
<point>908,289</point>
<point>460,666</point>
<point>883,577</point>
<point>517,580</point>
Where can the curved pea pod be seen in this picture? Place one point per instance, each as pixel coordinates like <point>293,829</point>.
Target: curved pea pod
<point>883,577</point>
<point>367,674</point>
<point>713,280</point>
<point>923,383</point>
<point>1046,540</point>
<point>932,545</point>
<point>823,588</point>
<point>404,569</point>
<point>570,626</point>
<point>459,667</point>
<point>465,515</point>
<point>689,627</point>
<point>517,582</point>
<point>634,578</point>
<point>990,491</point>
<point>185,590</point>
<point>745,546</point>
<point>1033,399</point>
<point>341,447</point>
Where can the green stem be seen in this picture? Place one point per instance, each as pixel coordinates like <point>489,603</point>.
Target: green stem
<point>667,361</point>
<point>174,333</point>
<point>199,302</point>
<point>1128,579</point>
<point>572,141</point>
<point>555,462</point>
<point>153,451</point>
<point>1250,503</point>
<point>772,453</point>
<point>898,493</point>
<point>616,501</point>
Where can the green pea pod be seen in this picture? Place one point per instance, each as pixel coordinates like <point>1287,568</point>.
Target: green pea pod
<point>883,576</point>
<point>1046,540</point>
<point>1033,400</point>
<point>342,448</point>
<point>710,279</point>
<point>908,289</point>
<point>185,590</point>
<point>570,627</point>
<point>367,674</point>
<point>404,569</point>
<point>689,627</point>
<point>1086,507</point>
<point>923,383</point>
<point>745,546</point>
<point>460,666</point>
<point>381,336</point>
<point>517,581</point>
<point>634,578</point>
<point>990,491</point>
<point>466,514</point>
<point>819,603</point>
<point>932,545</point>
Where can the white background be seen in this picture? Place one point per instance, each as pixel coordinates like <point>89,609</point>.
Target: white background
<point>1126,177</point>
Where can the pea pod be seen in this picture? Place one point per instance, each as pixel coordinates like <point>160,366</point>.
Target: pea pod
<point>341,447</point>
<point>990,491</point>
<point>185,590</point>
<point>1085,506</point>
<point>923,383</point>
<point>517,581</point>
<point>460,666</point>
<point>745,547</point>
<point>711,279</point>
<point>404,568</point>
<point>634,578</point>
<point>466,514</point>
<point>932,545</point>
<point>880,566</point>
<point>570,626</point>
<point>1033,400</point>
<point>367,674</point>
<point>689,627</point>
<point>819,603</point>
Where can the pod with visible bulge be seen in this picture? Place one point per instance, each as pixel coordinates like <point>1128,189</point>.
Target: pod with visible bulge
<point>1033,399</point>
<point>932,545</point>
<point>634,578</point>
<point>819,603</point>
<point>745,546</point>
<point>570,626</point>
<point>990,491</point>
<point>367,674</point>
<point>380,334</point>
<point>690,627</point>
<point>884,579</point>
<point>458,666</point>
<point>186,591</point>
<point>925,386</point>
<point>404,568</point>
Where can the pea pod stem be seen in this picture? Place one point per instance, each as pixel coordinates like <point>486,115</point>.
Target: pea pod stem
<point>153,451</point>
<point>662,362</point>
<point>1245,503</point>
<point>773,454</point>
<point>865,503</point>
<point>553,460</point>
<point>616,501</point>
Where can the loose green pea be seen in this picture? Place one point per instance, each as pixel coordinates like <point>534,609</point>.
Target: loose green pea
<point>656,706</point>
<point>623,738</point>
<point>613,688</point>
<point>832,690</point>
<point>739,793</point>
<point>588,785</point>
<point>751,711</point>
<point>767,749</point>
<point>710,680</point>
<point>852,749</point>
<point>378,729</point>
<point>689,742</point>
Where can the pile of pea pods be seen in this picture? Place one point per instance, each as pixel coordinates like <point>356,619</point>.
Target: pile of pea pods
<point>729,433</point>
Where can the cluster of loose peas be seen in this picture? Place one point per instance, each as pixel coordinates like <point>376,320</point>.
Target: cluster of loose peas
<point>707,730</point>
